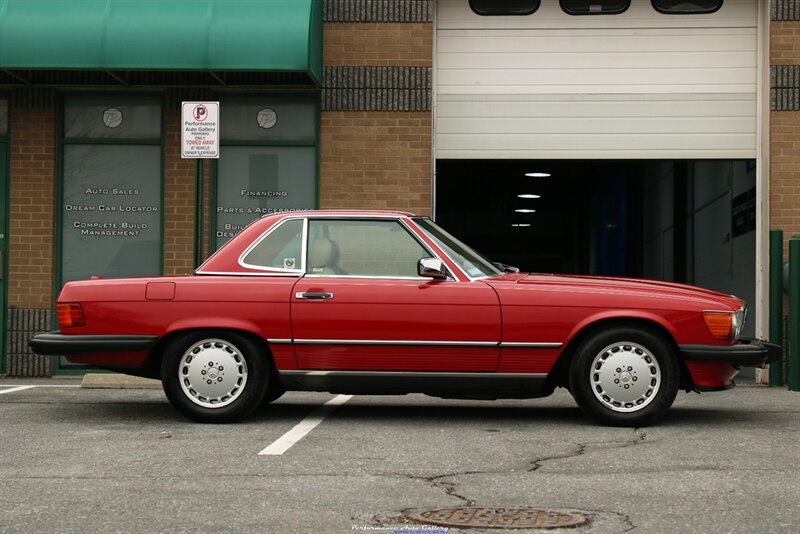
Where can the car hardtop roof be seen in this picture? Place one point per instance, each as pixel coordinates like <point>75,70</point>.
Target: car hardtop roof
<point>340,213</point>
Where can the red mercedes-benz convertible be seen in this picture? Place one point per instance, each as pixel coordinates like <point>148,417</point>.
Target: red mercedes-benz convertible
<point>389,303</point>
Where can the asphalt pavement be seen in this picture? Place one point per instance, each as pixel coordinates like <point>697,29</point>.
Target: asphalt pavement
<point>86,460</point>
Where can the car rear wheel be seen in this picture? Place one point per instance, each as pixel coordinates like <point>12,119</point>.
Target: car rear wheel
<point>214,376</point>
<point>624,376</point>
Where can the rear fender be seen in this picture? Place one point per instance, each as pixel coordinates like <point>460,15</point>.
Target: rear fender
<point>214,323</point>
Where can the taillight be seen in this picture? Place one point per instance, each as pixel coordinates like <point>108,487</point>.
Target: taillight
<point>70,314</point>
<point>720,324</point>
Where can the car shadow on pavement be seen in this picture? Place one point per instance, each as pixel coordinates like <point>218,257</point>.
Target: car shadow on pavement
<point>433,413</point>
<point>288,411</point>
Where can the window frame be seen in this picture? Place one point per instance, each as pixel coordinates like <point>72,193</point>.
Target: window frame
<point>399,222</point>
<point>664,12</point>
<point>592,14</point>
<point>506,13</point>
<point>282,270</point>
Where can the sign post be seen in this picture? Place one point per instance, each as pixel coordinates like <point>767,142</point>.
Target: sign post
<point>200,140</point>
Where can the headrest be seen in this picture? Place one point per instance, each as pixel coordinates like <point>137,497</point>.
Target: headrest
<point>321,252</point>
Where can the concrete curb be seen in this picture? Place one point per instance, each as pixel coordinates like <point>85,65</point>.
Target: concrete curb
<point>118,381</point>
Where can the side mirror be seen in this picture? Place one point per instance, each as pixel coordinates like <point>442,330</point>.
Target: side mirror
<point>432,268</point>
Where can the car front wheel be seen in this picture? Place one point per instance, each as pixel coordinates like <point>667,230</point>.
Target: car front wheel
<point>214,376</point>
<point>624,376</point>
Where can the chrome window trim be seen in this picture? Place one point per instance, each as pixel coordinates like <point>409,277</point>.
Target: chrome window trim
<point>469,277</point>
<point>410,230</point>
<point>338,215</point>
<point>413,374</point>
<point>369,277</point>
<point>266,234</point>
<point>238,273</point>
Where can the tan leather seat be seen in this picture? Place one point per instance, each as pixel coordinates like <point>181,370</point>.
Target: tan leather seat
<point>323,257</point>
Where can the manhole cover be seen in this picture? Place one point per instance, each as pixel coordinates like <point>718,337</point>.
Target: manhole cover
<point>473,516</point>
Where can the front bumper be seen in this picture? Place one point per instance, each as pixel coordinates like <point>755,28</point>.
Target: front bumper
<point>747,353</point>
<point>58,344</point>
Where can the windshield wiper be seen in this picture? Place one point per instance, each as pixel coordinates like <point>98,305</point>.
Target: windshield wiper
<point>505,268</point>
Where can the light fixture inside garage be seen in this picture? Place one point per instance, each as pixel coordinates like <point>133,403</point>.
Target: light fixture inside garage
<point>525,210</point>
<point>538,174</point>
<point>529,195</point>
<point>520,225</point>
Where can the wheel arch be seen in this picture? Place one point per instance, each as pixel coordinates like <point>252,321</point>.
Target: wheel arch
<point>559,375</point>
<point>152,365</point>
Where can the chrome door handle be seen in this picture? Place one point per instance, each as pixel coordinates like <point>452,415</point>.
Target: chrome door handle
<point>313,296</point>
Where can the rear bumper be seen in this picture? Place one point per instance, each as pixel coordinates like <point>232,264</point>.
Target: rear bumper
<point>58,344</point>
<point>748,353</point>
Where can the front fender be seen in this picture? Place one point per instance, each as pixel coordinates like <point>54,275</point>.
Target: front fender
<point>636,315</point>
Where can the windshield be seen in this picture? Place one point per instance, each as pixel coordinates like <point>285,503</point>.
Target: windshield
<point>472,263</point>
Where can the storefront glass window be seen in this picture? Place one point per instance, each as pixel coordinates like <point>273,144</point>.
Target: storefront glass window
<point>111,198</point>
<point>256,181</point>
<point>112,211</point>
<point>254,120</point>
<point>92,117</point>
<point>268,160</point>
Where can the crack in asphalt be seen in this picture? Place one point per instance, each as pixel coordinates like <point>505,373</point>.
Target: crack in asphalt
<point>448,487</point>
<point>584,448</point>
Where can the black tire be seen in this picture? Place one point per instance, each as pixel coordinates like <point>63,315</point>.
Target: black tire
<point>624,376</point>
<point>214,376</point>
<point>275,390</point>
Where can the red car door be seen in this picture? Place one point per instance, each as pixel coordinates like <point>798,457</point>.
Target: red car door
<point>362,307</point>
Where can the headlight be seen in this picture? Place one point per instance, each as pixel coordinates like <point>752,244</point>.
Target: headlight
<point>724,324</point>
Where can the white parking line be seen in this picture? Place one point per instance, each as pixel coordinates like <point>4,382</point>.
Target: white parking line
<point>14,389</point>
<point>285,442</point>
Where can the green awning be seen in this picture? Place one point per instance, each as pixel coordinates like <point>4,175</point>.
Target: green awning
<point>280,36</point>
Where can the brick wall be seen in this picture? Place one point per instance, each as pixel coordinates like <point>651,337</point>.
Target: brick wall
<point>376,44</point>
<point>376,160</point>
<point>375,145</point>
<point>179,200</point>
<point>784,43</point>
<point>784,180</point>
<point>784,187</point>
<point>31,211</point>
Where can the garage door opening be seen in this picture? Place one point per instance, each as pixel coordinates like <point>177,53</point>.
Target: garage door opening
<point>690,221</point>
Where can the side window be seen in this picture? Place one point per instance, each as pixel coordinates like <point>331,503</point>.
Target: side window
<point>594,7</point>
<point>686,7</point>
<point>279,249</point>
<point>362,248</point>
<point>504,7</point>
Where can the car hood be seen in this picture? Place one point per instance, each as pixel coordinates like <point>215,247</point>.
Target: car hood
<point>605,284</point>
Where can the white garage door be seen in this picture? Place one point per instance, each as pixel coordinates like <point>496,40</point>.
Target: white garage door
<point>636,85</point>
